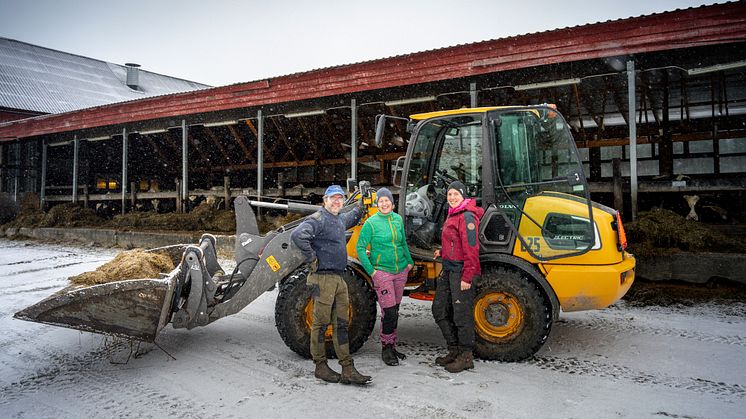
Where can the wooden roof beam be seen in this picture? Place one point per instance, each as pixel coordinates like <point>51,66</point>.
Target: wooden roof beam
<point>239,141</point>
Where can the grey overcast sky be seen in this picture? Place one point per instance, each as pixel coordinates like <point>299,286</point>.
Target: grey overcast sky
<point>221,42</point>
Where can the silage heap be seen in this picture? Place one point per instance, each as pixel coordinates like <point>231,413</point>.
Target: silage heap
<point>132,264</point>
<point>661,231</point>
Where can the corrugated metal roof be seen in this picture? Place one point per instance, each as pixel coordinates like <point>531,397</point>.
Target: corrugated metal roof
<point>39,79</point>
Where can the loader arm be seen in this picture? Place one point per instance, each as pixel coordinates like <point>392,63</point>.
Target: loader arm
<point>195,293</point>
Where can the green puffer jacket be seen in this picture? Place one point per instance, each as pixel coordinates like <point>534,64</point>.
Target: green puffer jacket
<point>388,244</point>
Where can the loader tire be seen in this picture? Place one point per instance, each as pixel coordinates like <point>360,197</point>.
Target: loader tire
<point>294,306</point>
<point>512,317</point>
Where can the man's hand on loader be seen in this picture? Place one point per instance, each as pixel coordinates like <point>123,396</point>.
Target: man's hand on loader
<point>312,266</point>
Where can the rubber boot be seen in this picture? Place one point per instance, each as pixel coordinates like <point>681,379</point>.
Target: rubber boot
<point>324,372</point>
<point>351,376</point>
<point>464,361</point>
<point>448,358</point>
<point>399,354</point>
<point>388,354</point>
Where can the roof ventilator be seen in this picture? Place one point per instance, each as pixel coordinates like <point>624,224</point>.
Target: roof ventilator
<point>133,75</point>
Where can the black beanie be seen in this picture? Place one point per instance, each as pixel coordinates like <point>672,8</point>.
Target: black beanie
<point>457,185</point>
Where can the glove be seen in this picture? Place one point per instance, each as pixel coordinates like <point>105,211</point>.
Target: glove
<point>312,265</point>
<point>360,204</point>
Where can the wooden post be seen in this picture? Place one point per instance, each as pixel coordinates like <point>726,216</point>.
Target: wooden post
<point>594,155</point>
<point>178,196</point>
<point>616,165</point>
<point>86,196</point>
<point>281,184</point>
<point>133,194</point>
<point>227,188</point>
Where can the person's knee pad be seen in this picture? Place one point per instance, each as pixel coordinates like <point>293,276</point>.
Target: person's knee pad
<point>390,319</point>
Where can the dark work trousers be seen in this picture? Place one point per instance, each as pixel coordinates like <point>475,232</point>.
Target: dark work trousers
<point>453,310</point>
<point>330,306</point>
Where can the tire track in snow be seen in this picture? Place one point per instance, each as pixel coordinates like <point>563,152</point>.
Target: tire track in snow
<point>35,260</point>
<point>619,372</point>
<point>47,268</point>
<point>426,352</point>
<point>604,325</point>
<point>86,378</point>
<point>21,290</point>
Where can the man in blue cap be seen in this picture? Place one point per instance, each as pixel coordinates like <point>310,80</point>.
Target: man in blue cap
<point>321,238</point>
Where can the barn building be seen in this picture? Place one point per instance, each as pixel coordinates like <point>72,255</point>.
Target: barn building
<point>657,105</point>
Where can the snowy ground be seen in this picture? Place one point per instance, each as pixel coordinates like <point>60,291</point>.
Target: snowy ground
<point>681,362</point>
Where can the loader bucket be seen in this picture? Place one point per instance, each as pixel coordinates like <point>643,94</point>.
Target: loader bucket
<point>134,309</point>
<point>137,308</point>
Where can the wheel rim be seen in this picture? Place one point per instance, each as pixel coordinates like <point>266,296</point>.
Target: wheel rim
<point>497,315</point>
<point>308,311</point>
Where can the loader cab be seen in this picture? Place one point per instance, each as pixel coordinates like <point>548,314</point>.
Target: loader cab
<point>510,159</point>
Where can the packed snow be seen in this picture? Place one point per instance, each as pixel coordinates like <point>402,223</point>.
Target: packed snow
<point>685,362</point>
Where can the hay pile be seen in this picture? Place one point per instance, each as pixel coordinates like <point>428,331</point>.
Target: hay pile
<point>27,218</point>
<point>202,218</point>
<point>133,264</point>
<point>70,215</point>
<point>64,215</point>
<point>269,223</point>
<point>661,231</point>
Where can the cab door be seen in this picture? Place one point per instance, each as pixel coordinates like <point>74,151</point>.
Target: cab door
<point>442,150</point>
<point>540,188</point>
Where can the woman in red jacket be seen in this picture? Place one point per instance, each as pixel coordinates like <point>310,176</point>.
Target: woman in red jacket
<point>453,307</point>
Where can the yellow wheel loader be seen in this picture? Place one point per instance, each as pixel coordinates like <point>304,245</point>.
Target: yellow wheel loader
<point>545,246</point>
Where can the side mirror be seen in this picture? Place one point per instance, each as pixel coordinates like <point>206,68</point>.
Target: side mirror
<point>380,126</point>
<point>364,186</point>
<point>352,185</point>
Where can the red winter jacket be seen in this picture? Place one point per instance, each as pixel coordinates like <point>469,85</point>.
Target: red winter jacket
<point>459,239</point>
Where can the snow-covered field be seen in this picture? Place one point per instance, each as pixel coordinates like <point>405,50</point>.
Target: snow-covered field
<point>679,362</point>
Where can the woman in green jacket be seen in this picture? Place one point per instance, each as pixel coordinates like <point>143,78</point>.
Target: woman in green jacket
<point>388,264</point>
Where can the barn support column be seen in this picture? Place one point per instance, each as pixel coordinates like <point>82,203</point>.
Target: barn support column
<point>665,148</point>
<point>76,147</point>
<point>632,120</point>
<point>353,139</point>
<point>473,95</point>
<point>184,166</point>
<point>43,187</point>
<point>3,170</point>
<point>124,170</point>
<point>260,155</point>
<point>17,178</point>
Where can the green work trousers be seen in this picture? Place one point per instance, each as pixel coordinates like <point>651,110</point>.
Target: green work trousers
<point>330,306</point>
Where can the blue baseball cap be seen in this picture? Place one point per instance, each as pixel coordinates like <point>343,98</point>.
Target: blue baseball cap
<point>334,190</point>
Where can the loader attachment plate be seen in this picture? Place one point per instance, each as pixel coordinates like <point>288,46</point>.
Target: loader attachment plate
<point>135,309</point>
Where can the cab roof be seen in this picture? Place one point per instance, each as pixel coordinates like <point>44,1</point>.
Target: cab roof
<point>428,115</point>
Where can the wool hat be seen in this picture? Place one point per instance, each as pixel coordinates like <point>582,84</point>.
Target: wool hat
<point>334,190</point>
<point>457,185</point>
<point>384,192</point>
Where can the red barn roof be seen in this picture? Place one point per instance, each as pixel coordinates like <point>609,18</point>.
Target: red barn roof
<point>693,27</point>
